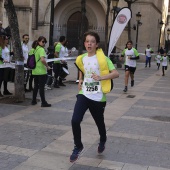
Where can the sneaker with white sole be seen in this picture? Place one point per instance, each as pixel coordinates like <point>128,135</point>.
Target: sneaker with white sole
<point>47,87</point>
<point>76,153</point>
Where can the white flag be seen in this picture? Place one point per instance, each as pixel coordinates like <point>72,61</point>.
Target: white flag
<point>118,26</point>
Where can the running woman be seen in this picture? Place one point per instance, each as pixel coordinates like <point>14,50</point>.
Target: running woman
<point>131,55</point>
<point>95,74</point>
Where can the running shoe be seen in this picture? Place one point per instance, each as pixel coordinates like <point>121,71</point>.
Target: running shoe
<point>101,147</point>
<point>76,153</point>
<point>125,90</point>
<point>47,87</point>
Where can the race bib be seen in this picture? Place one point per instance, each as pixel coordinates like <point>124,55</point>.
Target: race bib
<point>91,88</point>
<point>127,57</point>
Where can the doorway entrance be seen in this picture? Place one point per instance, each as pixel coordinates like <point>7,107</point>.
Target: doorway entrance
<point>73,29</point>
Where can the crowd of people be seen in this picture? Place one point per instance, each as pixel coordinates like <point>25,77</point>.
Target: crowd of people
<point>95,74</point>
<point>37,77</point>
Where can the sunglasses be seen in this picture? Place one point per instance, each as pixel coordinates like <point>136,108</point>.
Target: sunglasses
<point>43,42</point>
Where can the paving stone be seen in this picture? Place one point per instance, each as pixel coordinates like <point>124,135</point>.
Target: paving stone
<point>9,161</point>
<point>110,99</point>
<point>83,167</point>
<point>6,110</point>
<point>158,95</point>
<point>66,104</point>
<point>146,113</point>
<point>146,128</point>
<point>158,89</point>
<point>27,136</point>
<point>152,103</point>
<point>51,117</point>
<point>133,151</point>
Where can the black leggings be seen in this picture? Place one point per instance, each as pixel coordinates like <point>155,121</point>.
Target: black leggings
<point>97,112</point>
<point>39,83</point>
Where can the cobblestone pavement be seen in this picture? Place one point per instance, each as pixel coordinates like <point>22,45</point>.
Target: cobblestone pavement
<point>138,128</point>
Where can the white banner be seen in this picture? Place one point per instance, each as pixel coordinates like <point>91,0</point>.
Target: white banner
<point>118,26</point>
<point>12,65</point>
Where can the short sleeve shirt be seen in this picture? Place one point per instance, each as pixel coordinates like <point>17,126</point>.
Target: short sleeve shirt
<point>40,68</point>
<point>61,50</point>
<point>132,53</point>
<point>91,66</point>
<point>164,61</point>
<point>148,52</point>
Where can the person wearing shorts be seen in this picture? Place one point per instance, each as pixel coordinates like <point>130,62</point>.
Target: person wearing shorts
<point>131,55</point>
<point>165,61</point>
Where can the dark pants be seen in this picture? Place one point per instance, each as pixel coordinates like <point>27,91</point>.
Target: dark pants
<point>39,83</point>
<point>148,60</point>
<point>1,76</point>
<point>163,69</point>
<point>97,112</point>
<point>57,70</point>
<point>158,64</point>
<point>30,81</point>
<point>50,70</point>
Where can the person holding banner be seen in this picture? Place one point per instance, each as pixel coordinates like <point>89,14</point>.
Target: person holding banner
<point>131,55</point>
<point>59,53</point>
<point>95,74</point>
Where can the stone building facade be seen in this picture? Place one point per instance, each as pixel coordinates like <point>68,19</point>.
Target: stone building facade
<point>34,19</point>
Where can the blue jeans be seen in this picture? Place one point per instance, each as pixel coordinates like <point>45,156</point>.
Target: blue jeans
<point>148,60</point>
<point>97,111</point>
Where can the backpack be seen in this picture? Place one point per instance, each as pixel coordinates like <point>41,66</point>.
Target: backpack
<point>31,61</point>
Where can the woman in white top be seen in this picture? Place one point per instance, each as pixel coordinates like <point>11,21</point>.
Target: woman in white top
<point>7,71</point>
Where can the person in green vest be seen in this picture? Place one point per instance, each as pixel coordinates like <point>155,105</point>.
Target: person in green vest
<point>40,72</point>
<point>59,53</point>
<point>95,74</point>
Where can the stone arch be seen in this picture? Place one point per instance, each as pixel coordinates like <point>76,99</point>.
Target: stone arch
<point>64,9</point>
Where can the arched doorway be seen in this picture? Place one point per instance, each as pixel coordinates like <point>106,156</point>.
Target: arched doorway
<point>73,29</point>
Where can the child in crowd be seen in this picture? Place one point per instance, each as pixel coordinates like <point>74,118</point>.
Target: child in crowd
<point>165,61</point>
<point>157,58</point>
